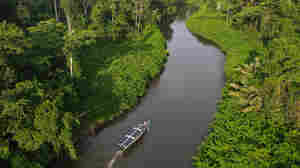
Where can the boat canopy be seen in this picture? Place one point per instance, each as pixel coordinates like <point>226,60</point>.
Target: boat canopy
<point>130,136</point>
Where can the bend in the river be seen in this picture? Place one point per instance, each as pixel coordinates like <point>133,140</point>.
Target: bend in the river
<point>181,103</point>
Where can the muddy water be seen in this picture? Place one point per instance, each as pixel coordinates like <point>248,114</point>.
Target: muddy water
<point>181,103</point>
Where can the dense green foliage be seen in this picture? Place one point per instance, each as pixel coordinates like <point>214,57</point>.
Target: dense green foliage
<point>120,71</point>
<point>247,140</point>
<point>236,44</point>
<point>32,92</point>
<point>258,119</point>
<point>61,59</point>
<point>248,133</point>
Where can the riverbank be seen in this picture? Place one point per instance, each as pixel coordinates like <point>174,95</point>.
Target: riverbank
<point>249,129</point>
<point>193,77</point>
<point>236,44</point>
<point>118,74</point>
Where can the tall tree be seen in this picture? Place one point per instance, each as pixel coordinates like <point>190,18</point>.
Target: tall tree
<point>86,4</point>
<point>69,9</point>
<point>55,10</point>
<point>68,6</point>
<point>31,116</point>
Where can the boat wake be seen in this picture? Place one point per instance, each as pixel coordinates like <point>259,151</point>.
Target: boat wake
<point>114,159</point>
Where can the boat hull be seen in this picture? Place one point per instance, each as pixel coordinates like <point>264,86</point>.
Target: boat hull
<point>135,134</point>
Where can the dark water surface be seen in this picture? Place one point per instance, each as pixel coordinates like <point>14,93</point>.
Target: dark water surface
<point>181,104</point>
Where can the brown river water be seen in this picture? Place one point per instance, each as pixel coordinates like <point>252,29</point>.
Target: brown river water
<point>181,104</point>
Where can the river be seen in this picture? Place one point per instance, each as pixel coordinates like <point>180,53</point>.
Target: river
<point>181,104</point>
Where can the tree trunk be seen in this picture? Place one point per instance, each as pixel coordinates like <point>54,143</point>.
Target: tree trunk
<point>141,14</point>
<point>69,22</point>
<point>136,15</point>
<point>86,6</point>
<point>86,11</point>
<point>55,9</point>
<point>71,66</point>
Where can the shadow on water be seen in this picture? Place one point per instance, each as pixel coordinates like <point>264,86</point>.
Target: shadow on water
<point>183,11</point>
<point>180,14</point>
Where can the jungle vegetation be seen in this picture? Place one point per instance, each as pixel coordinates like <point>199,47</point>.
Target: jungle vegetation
<point>258,118</point>
<point>64,59</point>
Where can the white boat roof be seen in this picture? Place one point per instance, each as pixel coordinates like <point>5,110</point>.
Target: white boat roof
<point>137,128</point>
<point>129,136</point>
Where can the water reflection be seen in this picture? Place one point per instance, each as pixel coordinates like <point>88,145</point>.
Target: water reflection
<point>181,13</point>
